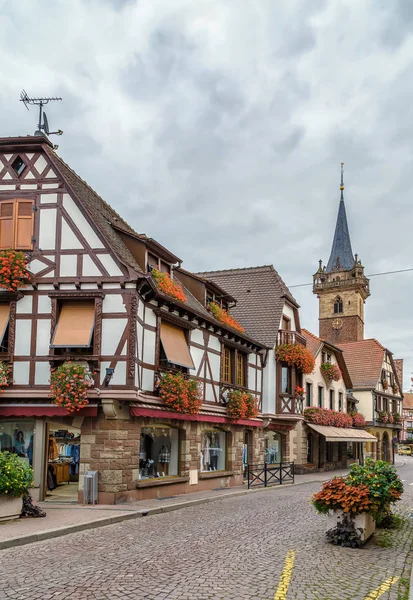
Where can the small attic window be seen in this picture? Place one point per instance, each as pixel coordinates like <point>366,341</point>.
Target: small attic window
<point>18,166</point>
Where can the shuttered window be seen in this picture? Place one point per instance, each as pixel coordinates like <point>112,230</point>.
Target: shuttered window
<point>16,224</point>
<point>75,325</point>
<point>4,321</point>
<point>175,346</point>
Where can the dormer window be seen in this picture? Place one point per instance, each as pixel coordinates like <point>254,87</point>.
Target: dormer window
<point>211,297</point>
<point>338,305</point>
<point>154,262</point>
<point>18,166</point>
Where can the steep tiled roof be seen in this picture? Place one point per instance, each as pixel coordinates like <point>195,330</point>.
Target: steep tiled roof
<point>100,212</point>
<point>260,294</point>
<point>364,361</point>
<point>407,400</point>
<point>398,363</point>
<point>313,342</point>
<point>341,251</point>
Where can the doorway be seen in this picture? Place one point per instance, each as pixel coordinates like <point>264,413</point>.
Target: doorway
<point>246,452</point>
<point>385,447</point>
<point>62,456</point>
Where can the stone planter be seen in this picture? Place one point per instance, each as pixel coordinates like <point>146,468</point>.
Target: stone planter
<point>363,521</point>
<point>10,507</point>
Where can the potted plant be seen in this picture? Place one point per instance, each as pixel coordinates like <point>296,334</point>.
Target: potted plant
<point>16,476</point>
<point>331,371</point>
<point>296,355</point>
<point>179,393</point>
<point>384,384</point>
<point>348,508</point>
<point>69,384</point>
<point>241,405</point>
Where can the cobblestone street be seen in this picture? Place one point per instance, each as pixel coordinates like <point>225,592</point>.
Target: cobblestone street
<point>231,549</point>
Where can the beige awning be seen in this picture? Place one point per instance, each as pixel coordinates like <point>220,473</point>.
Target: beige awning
<point>342,434</point>
<point>4,319</point>
<point>75,325</point>
<point>175,345</point>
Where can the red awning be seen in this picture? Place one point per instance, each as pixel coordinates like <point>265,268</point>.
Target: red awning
<point>137,411</point>
<point>45,410</point>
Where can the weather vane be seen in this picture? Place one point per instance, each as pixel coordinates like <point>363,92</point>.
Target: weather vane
<point>43,125</point>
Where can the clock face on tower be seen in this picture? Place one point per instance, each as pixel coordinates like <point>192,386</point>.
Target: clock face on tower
<point>337,324</point>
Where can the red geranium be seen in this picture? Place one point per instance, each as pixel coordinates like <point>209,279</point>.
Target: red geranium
<point>13,270</point>
<point>331,372</point>
<point>222,315</point>
<point>241,405</point>
<point>168,286</point>
<point>69,385</point>
<point>179,393</point>
<point>296,355</point>
<point>325,416</point>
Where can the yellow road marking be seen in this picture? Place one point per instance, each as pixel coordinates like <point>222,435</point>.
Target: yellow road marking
<point>285,578</point>
<point>384,587</point>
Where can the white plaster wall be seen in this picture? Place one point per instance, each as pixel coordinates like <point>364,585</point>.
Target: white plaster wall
<point>81,222</point>
<point>23,337</point>
<point>214,343</point>
<point>150,317</point>
<point>110,265</point>
<point>289,313</point>
<point>268,395</point>
<point>251,378</point>
<point>365,405</point>
<point>139,331</point>
<point>21,373</point>
<point>197,355</point>
<point>47,231</point>
<point>197,336</point>
<point>68,265</point>
<point>44,304</point>
<point>69,240</point>
<point>209,393</point>
<point>24,305</point>
<point>42,373</point>
<point>43,337</point>
<point>316,379</point>
<point>149,347</point>
<point>48,198</point>
<point>113,303</point>
<point>140,309</point>
<point>112,330</point>
<point>89,267</point>
<point>119,376</point>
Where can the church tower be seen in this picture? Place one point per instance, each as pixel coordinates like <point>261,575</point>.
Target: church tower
<point>341,287</point>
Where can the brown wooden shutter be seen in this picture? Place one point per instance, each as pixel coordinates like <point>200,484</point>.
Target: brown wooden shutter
<point>6,225</point>
<point>175,346</point>
<point>4,319</point>
<point>24,224</point>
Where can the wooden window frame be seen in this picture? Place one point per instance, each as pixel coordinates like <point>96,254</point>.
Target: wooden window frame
<point>331,399</point>
<point>286,321</point>
<point>162,364</point>
<point>308,393</point>
<point>320,396</point>
<point>240,375</point>
<point>15,219</point>
<point>289,380</point>
<point>232,355</point>
<point>340,402</point>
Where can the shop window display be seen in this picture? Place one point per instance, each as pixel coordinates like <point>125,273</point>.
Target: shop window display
<point>213,450</point>
<point>159,452</point>
<point>273,448</point>
<point>17,437</point>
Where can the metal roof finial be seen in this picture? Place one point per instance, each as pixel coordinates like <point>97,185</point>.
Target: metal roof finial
<point>342,182</point>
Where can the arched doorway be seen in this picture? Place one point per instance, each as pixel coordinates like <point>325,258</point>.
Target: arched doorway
<point>385,447</point>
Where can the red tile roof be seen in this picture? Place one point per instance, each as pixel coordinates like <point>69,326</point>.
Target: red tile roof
<point>398,363</point>
<point>364,361</point>
<point>407,400</point>
<point>314,343</point>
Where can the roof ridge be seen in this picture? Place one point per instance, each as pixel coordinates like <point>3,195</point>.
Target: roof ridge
<point>226,271</point>
<point>304,330</point>
<point>365,340</point>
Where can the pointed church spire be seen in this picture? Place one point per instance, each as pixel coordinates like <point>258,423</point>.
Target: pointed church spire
<point>341,257</point>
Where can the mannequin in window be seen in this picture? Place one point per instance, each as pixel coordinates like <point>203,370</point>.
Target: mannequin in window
<point>214,450</point>
<point>5,442</point>
<point>164,459</point>
<point>19,444</point>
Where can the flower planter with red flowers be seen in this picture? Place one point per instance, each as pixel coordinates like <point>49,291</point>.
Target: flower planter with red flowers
<point>296,355</point>
<point>395,388</point>
<point>224,317</point>
<point>179,393</point>
<point>241,405</point>
<point>299,392</point>
<point>330,371</point>
<point>69,384</point>
<point>168,286</point>
<point>325,416</point>
<point>5,375</point>
<point>13,270</point>
<point>384,384</point>
<point>385,417</point>
<point>358,419</point>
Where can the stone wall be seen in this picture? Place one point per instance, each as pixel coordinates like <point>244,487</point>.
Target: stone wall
<point>112,448</point>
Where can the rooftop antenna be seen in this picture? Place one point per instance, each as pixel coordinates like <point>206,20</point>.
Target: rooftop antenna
<point>43,125</point>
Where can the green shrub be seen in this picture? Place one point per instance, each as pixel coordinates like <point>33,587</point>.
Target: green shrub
<point>16,476</point>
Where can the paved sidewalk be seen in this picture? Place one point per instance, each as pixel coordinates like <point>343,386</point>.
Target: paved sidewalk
<point>63,519</point>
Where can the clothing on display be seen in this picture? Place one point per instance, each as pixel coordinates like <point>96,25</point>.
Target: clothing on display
<point>158,456</point>
<point>5,442</point>
<point>213,451</point>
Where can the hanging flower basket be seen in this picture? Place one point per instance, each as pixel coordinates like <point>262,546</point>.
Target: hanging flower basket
<point>179,393</point>
<point>330,371</point>
<point>384,384</point>
<point>13,270</point>
<point>5,375</point>
<point>395,388</point>
<point>69,385</point>
<point>224,317</point>
<point>296,355</point>
<point>325,416</point>
<point>241,405</point>
<point>299,392</point>
<point>168,286</point>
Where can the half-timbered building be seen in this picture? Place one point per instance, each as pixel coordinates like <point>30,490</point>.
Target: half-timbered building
<point>92,299</point>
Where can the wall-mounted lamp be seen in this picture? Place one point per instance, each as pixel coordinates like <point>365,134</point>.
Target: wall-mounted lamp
<point>109,374</point>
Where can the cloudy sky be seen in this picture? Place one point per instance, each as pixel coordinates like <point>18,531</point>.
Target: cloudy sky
<point>218,127</point>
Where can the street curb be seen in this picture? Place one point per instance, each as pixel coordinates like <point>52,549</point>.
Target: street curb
<point>144,512</point>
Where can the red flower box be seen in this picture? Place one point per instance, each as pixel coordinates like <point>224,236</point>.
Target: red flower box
<point>222,315</point>
<point>296,355</point>
<point>168,286</point>
<point>241,405</point>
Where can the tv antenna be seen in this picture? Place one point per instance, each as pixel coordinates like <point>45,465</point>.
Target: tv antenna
<point>43,125</point>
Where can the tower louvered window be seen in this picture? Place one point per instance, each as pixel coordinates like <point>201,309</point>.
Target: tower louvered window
<point>338,305</point>
<point>16,224</point>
